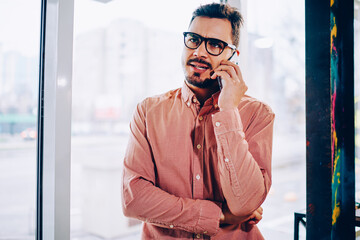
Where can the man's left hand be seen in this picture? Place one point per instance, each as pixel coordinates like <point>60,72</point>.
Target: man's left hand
<point>255,218</point>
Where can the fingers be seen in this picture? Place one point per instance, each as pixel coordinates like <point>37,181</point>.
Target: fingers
<point>231,68</point>
<point>235,67</point>
<point>256,216</point>
<point>222,74</point>
<point>259,212</point>
<point>252,222</point>
<point>225,71</point>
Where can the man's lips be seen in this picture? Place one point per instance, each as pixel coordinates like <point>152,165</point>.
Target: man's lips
<point>199,65</point>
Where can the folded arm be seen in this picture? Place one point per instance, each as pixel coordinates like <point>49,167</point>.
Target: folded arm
<point>244,158</point>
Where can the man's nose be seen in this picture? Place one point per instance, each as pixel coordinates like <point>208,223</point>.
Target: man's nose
<point>201,50</point>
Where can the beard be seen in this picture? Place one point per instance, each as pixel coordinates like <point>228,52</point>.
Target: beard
<point>195,78</point>
<point>196,81</point>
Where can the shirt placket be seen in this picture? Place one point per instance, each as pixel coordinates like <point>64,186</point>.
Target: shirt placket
<point>198,182</point>
<point>198,160</point>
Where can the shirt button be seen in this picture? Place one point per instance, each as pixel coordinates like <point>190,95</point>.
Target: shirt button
<point>198,146</point>
<point>194,100</point>
<point>201,118</point>
<point>216,106</point>
<point>217,124</point>
<point>171,226</point>
<point>188,104</point>
<point>198,177</point>
<point>198,235</point>
<point>226,160</point>
<point>205,232</point>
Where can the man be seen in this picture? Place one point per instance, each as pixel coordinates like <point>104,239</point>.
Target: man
<point>198,163</point>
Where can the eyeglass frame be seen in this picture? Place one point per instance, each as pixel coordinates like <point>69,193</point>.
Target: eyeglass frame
<point>204,39</point>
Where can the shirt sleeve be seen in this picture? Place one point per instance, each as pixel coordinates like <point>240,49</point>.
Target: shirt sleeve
<point>142,199</point>
<point>244,157</point>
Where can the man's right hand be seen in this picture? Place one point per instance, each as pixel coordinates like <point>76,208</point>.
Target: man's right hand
<point>228,218</point>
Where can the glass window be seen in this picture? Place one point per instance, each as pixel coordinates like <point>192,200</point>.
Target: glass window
<point>275,73</point>
<point>19,64</point>
<point>123,52</point>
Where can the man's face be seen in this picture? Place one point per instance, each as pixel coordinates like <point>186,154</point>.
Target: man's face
<point>198,63</point>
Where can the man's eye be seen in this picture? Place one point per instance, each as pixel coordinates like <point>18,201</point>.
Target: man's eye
<point>194,40</point>
<point>215,44</point>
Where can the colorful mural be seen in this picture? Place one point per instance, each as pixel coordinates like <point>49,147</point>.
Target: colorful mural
<point>335,148</point>
<point>342,119</point>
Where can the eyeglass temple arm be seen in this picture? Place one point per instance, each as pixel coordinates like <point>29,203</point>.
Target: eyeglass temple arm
<point>235,51</point>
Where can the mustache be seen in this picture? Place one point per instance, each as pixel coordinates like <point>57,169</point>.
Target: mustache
<point>199,60</point>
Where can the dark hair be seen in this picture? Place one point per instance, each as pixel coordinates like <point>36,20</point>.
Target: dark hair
<point>222,11</point>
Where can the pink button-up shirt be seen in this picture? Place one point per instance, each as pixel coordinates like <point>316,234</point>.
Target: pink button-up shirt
<point>184,162</point>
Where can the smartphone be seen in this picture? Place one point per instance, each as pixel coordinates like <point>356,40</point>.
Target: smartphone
<point>219,82</point>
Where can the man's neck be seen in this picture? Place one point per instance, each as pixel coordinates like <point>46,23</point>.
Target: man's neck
<point>203,94</point>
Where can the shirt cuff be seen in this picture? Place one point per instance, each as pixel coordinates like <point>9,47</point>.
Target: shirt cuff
<point>227,121</point>
<point>209,219</point>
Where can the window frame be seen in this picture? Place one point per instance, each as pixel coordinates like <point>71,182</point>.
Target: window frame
<point>54,120</point>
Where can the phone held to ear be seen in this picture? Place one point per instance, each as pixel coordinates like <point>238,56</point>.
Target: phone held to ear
<point>219,78</point>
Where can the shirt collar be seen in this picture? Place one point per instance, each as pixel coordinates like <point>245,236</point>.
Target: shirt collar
<point>187,96</point>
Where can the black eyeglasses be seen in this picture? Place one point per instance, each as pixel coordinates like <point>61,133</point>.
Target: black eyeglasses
<point>212,45</point>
